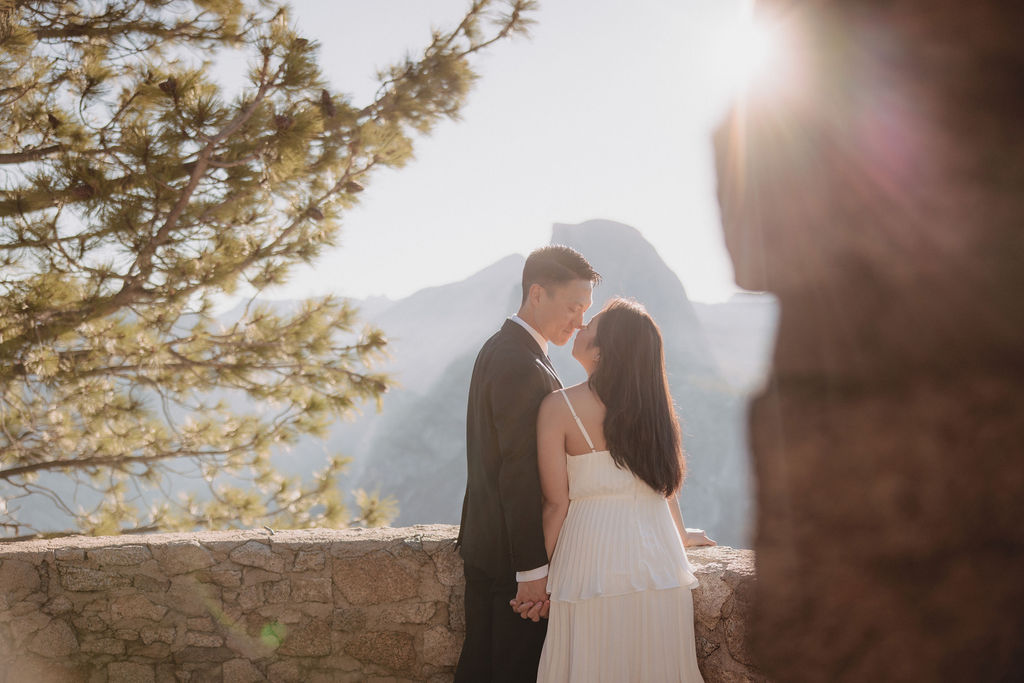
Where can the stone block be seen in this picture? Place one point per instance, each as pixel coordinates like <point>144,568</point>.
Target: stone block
<point>441,647</point>
<point>56,639</point>
<point>393,650</point>
<point>256,554</point>
<point>31,669</point>
<point>242,671</point>
<point>121,555</point>
<point>58,605</point>
<point>282,614</point>
<point>311,640</point>
<point>200,639</point>
<point>372,579</point>
<point>736,640</point>
<point>136,607</point>
<point>284,672</point>
<point>152,634</point>
<point>406,613</point>
<point>712,593</point>
<point>30,605</point>
<point>150,584</point>
<point>69,554</point>
<point>457,610</point>
<point>130,672</point>
<point>253,576</point>
<point>316,589</point>
<point>103,646</point>
<point>277,592</point>
<point>320,610</point>
<point>190,597</point>
<point>181,557</point>
<point>250,597</point>
<point>17,580</point>
<point>89,622</point>
<point>205,673</point>
<point>448,567</point>
<point>30,623</point>
<point>229,578</point>
<point>82,579</point>
<point>201,624</point>
<point>193,653</point>
<point>349,619</point>
<point>309,560</point>
<point>158,652</point>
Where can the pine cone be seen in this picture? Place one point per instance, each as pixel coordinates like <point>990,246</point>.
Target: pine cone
<point>328,105</point>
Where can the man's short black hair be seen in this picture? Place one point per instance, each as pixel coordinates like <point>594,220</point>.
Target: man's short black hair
<point>556,264</point>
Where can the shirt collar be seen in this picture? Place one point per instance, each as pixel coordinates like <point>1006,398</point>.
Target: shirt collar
<point>541,341</point>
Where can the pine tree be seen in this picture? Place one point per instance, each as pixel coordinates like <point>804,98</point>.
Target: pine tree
<point>135,192</point>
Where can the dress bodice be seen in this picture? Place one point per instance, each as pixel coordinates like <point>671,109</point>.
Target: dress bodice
<point>596,474</point>
<point>618,536</point>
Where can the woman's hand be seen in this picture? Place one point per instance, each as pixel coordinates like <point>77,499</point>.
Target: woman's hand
<point>696,537</point>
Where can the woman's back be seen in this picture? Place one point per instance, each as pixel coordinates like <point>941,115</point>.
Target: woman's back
<point>619,578</point>
<point>618,535</point>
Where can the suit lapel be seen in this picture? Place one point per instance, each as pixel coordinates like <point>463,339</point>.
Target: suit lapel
<point>551,369</point>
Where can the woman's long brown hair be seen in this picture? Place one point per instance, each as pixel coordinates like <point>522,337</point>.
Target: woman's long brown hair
<point>640,425</point>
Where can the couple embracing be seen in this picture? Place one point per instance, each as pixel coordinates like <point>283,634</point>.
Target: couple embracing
<point>571,533</point>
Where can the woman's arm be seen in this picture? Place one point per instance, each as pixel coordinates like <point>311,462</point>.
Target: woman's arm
<point>554,479</point>
<point>689,537</point>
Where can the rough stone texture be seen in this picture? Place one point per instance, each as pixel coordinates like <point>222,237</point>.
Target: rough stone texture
<point>878,193</point>
<point>56,639</point>
<point>130,672</point>
<point>313,605</point>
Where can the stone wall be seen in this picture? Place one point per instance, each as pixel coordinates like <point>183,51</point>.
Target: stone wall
<point>311,606</point>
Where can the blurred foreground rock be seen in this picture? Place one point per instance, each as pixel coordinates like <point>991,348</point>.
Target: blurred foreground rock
<point>875,183</point>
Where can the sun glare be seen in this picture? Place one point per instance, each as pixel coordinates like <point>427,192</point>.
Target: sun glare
<point>748,52</point>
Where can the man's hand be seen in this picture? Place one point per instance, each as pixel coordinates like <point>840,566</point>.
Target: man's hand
<point>697,537</point>
<point>531,601</point>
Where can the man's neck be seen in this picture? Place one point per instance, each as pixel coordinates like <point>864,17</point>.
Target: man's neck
<point>527,317</point>
<point>541,340</point>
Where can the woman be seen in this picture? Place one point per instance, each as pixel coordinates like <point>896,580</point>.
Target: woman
<point>611,465</point>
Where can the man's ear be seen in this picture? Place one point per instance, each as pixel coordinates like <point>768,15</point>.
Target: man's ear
<point>536,292</point>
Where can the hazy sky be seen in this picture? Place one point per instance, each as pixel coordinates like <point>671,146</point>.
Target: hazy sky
<point>605,112</point>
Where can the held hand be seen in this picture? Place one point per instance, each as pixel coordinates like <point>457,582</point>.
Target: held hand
<point>534,611</point>
<point>697,537</point>
<point>531,599</point>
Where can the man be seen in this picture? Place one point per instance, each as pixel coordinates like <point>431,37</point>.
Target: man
<point>501,538</point>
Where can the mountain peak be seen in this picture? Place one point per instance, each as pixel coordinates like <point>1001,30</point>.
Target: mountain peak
<point>595,228</point>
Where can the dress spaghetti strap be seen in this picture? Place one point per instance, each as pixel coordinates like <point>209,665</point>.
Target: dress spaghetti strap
<point>578,421</point>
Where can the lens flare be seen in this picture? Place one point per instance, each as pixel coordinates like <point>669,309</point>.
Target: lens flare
<point>749,52</point>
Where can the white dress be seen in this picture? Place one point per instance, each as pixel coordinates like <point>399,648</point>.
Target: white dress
<point>620,583</point>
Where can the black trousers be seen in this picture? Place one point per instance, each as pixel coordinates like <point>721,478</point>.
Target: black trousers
<point>500,645</point>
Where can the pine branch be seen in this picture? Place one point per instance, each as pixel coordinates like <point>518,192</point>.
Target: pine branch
<point>30,155</point>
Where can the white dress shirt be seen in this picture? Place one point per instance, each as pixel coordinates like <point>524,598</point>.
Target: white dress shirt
<point>539,572</point>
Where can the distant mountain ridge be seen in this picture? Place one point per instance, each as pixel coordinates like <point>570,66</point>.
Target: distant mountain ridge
<point>415,449</point>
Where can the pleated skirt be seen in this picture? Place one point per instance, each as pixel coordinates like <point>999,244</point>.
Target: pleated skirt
<point>641,637</point>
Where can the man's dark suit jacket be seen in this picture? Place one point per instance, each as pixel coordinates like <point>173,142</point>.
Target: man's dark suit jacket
<point>501,529</point>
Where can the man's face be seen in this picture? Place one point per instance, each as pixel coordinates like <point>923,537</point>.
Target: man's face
<point>583,346</point>
<point>560,308</point>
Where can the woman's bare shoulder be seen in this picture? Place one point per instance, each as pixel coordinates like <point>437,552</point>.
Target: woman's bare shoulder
<point>581,393</point>
<point>550,404</point>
